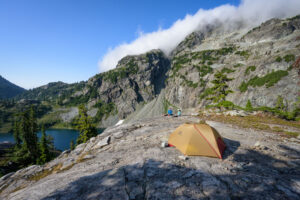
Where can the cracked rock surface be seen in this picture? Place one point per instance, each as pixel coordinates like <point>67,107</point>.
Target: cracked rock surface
<point>131,164</point>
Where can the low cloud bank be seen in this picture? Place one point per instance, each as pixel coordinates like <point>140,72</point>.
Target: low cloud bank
<point>249,12</point>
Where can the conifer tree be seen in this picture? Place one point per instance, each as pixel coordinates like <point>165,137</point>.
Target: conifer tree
<point>17,135</point>
<point>44,148</point>
<point>85,126</point>
<point>280,104</point>
<point>220,89</point>
<point>249,105</point>
<point>29,152</point>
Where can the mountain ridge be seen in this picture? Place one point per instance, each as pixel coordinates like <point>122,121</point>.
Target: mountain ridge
<point>259,60</point>
<point>9,89</point>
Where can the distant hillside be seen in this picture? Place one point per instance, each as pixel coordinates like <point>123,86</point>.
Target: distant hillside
<point>53,91</point>
<point>8,89</point>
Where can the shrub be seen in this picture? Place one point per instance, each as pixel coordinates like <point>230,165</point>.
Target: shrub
<point>204,70</point>
<point>245,54</point>
<point>289,58</point>
<point>268,80</point>
<point>237,65</point>
<point>226,104</point>
<point>188,82</point>
<point>122,72</point>
<point>227,70</point>
<point>250,68</point>
<point>249,106</point>
<point>278,59</point>
<point>104,110</point>
<point>243,87</point>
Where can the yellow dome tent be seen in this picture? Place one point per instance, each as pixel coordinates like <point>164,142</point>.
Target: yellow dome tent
<point>197,140</point>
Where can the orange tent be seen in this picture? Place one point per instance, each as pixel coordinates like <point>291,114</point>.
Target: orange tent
<point>197,140</point>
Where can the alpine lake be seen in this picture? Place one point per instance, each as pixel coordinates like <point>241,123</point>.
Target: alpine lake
<point>61,137</point>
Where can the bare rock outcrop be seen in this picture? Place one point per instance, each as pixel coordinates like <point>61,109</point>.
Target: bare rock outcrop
<point>128,162</point>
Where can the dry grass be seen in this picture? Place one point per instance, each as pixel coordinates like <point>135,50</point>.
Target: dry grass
<point>45,173</point>
<point>3,188</point>
<point>258,122</point>
<point>292,134</point>
<point>66,168</point>
<point>19,188</point>
<point>82,158</point>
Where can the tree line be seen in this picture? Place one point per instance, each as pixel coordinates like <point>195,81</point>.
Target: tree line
<point>28,148</point>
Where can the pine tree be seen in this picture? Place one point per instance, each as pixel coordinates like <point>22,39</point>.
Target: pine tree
<point>280,104</point>
<point>220,89</point>
<point>85,126</point>
<point>249,106</point>
<point>29,152</point>
<point>44,148</point>
<point>34,149</point>
<point>17,135</point>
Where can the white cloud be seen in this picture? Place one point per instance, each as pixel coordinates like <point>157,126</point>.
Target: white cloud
<point>251,12</point>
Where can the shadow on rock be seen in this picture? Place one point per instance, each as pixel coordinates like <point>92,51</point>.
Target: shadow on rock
<point>253,176</point>
<point>231,147</point>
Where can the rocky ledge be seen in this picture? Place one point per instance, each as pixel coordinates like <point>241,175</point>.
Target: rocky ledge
<point>128,162</point>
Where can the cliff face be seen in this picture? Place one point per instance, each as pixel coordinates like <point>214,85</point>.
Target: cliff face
<point>260,60</point>
<point>137,79</point>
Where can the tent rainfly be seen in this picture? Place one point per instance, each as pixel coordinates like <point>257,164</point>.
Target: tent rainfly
<point>197,140</point>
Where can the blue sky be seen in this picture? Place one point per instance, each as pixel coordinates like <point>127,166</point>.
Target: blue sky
<point>62,40</point>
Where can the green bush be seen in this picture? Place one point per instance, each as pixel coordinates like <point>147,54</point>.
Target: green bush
<point>226,104</point>
<point>289,58</point>
<point>119,73</point>
<point>250,68</point>
<point>104,110</point>
<point>245,54</point>
<point>243,87</point>
<point>268,80</point>
<point>203,70</point>
<point>237,65</point>
<point>210,63</point>
<point>249,106</point>
<point>278,59</point>
<point>227,70</point>
<point>188,82</point>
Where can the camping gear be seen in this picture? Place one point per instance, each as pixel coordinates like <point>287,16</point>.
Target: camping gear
<point>197,140</point>
<point>164,144</point>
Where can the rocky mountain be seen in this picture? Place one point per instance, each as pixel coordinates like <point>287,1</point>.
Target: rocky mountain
<point>8,89</point>
<point>262,64</point>
<point>245,67</point>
